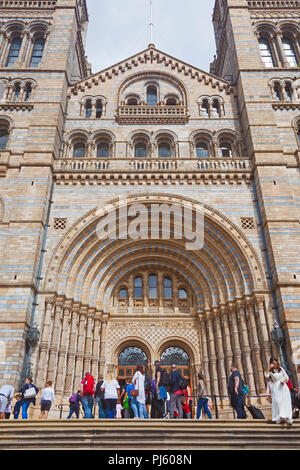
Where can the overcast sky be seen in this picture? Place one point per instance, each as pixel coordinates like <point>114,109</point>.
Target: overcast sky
<point>120,28</point>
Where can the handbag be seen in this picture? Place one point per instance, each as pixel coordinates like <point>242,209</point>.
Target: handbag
<point>30,392</point>
<point>135,392</point>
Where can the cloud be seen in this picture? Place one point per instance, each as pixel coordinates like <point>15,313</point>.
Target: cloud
<point>120,28</point>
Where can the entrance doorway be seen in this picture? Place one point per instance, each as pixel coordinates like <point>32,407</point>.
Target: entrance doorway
<point>129,358</point>
<point>177,356</point>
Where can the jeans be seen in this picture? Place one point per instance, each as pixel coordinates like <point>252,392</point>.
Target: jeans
<point>142,411</point>
<point>175,402</point>
<point>88,403</point>
<point>134,407</point>
<point>203,403</point>
<point>100,408</point>
<point>73,409</point>
<point>25,406</point>
<point>110,407</point>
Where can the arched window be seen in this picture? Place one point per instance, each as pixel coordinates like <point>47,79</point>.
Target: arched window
<point>216,108</point>
<point>79,149</point>
<point>182,294</point>
<point>205,108</point>
<point>151,96</point>
<point>37,52</point>
<point>225,149</point>
<point>14,51</point>
<point>27,91</point>
<point>103,150</point>
<point>132,356</point>
<point>265,52</point>
<point>99,109</point>
<point>152,286</point>
<point>123,293</point>
<point>288,91</point>
<point>164,150</point>
<point>88,108</point>
<point>201,150</point>
<point>171,102</point>
<point>140,150</point>
<point>298,134</point>
<point>277,91</point>
<point>4,134</point>
<point>174,355</point>
<point>138,288</point>
<point>289,52</point>
<point>16,91</point>
<point>168,291</point>
<point>132,102</point>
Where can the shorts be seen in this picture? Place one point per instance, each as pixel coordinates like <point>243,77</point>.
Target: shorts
<point>3,403</point>
<point>46,405</point>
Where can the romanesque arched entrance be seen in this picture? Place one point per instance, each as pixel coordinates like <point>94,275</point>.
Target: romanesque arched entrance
<point>128,359</point>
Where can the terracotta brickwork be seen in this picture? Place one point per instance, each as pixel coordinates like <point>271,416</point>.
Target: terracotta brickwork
<point>149,130</point>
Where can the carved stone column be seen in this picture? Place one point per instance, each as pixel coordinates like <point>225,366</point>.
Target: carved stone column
<point>80,350</point>
<point>44,343</point>
<point>96,346</point>
<point>280,50</point>
<point>248,376</point>
<point>5,51</point>
<point>227,343</point>
<point>220,352</point>
<point>260,381</point>
<point>54,341</point>
<point>88,341</point>
<point>71,351</point>
<point>212,354</point>
<point>237,352</point>
<point>62,351</point>
<point>266,344</point>
<point>203,342</point>
<point>104,324</point>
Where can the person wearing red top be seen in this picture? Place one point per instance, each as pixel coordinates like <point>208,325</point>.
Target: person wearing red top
<point>188,394</point>
<point>186,408</point>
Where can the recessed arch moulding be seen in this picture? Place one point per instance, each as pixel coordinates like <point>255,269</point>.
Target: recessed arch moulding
<point>228,288</point>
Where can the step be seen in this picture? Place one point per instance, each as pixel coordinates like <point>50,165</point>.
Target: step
<point>148,435</point>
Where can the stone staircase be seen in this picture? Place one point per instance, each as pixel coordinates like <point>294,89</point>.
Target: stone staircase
<point>148,435</point>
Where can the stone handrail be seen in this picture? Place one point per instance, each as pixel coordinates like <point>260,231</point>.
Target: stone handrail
<point>159,113</point>
<point>72,165</point>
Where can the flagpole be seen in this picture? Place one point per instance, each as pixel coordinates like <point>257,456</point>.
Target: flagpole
<point>151,22</point>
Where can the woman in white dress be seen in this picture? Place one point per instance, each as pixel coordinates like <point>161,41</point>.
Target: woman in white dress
<point>139,383</point>
<point>281,397</point>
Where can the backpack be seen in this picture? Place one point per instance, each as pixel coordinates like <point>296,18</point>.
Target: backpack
<point>89,385</point>
<point>73,399</point>
<point>147,384</point>
<point>181,382</point>
<point>165,378</point>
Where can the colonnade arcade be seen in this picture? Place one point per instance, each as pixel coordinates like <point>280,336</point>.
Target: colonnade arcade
<point>225,316</point>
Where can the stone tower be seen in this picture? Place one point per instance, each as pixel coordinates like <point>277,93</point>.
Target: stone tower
<point>42,52</point>
<point>258,50</point>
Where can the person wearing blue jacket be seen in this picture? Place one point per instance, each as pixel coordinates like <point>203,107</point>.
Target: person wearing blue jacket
<point>28,396</point>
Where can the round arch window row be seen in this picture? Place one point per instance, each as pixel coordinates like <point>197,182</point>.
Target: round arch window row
<point>202,147</point>
<point>152,289</point>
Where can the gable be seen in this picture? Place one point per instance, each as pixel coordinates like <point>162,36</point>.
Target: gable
<point>153,59</point>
